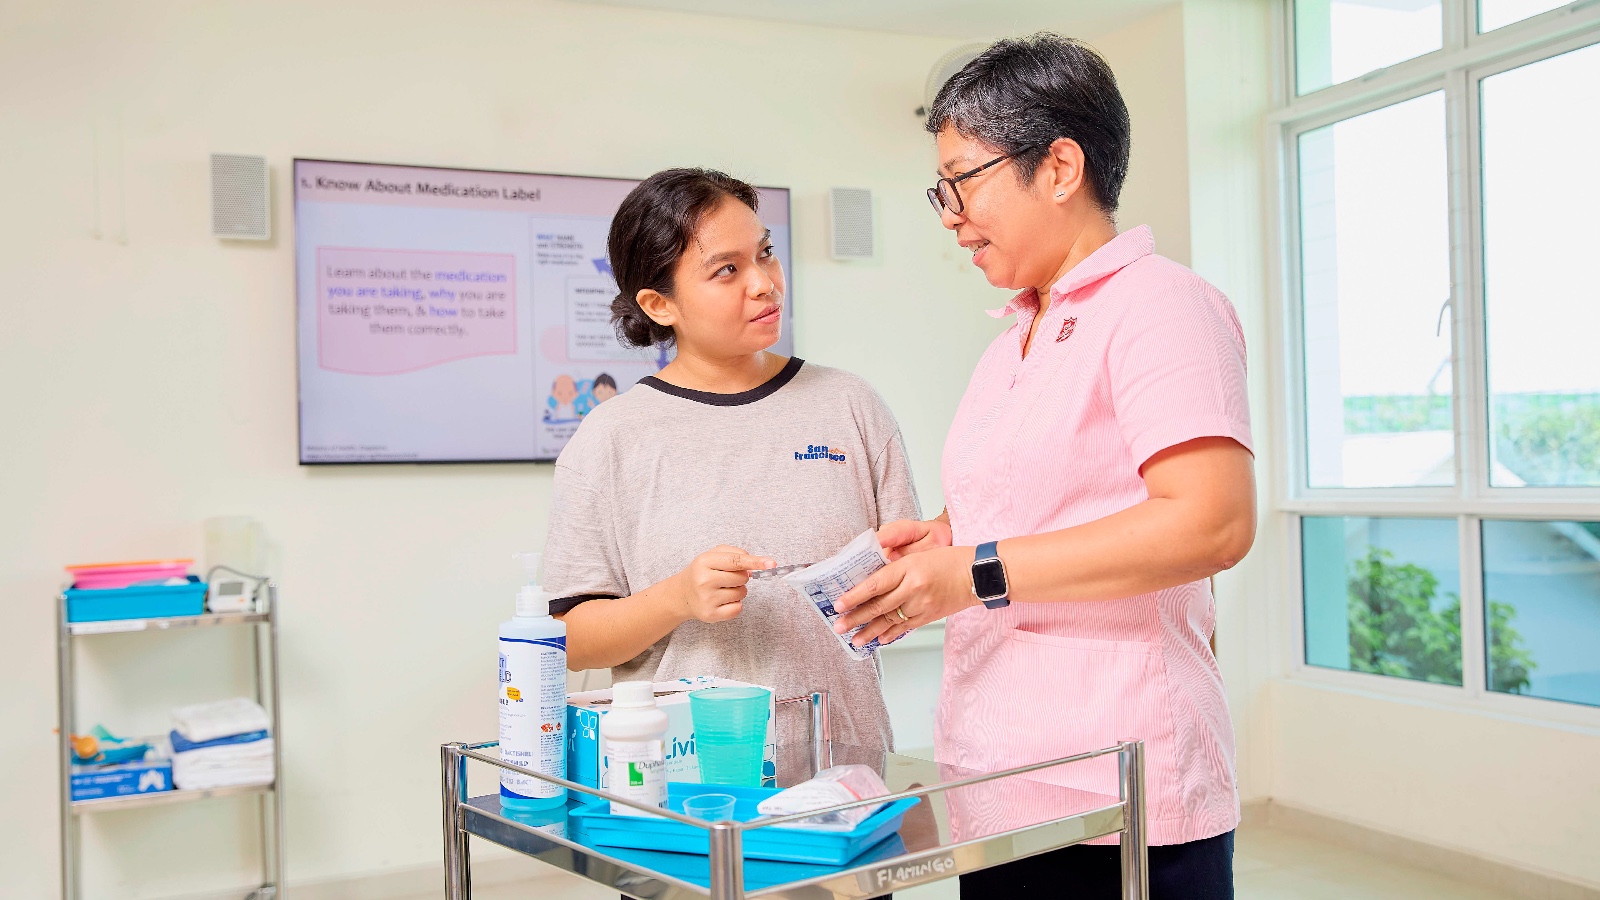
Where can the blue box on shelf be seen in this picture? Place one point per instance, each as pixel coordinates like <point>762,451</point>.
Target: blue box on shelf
<point>783,843</point>
<point>139,601</point>
<point>144,777</point>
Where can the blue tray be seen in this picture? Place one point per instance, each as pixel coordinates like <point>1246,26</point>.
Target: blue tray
<point>782,843</point>
<point>759,874</point>
<point>139,601</point>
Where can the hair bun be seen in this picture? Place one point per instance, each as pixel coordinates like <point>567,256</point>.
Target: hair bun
<point>634,328</point>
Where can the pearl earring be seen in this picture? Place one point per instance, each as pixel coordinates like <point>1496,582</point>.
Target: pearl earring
<point>1061,193</point>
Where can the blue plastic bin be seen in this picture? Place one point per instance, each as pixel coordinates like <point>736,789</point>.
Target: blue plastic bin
<point>139,601</point>
<point>781,843</point>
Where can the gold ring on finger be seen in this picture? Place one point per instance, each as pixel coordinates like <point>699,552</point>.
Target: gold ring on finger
<point>902,614</point>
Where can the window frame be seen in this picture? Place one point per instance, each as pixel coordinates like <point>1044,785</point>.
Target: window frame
<point>1458,69</point>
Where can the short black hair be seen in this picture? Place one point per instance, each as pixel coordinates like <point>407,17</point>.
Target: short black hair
<point>1022,94</point>
<point>604,380</point>
<point>649,233</point>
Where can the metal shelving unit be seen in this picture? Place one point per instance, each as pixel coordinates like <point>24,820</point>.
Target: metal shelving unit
<point>264,639</point>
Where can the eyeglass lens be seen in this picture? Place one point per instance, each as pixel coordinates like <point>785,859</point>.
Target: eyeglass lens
<point>943,196</point>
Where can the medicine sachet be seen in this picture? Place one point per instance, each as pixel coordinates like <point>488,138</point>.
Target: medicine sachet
<point>827,581</point>
<point>830,787</point>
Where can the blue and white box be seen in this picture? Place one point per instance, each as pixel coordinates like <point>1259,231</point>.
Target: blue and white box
<point>586,760</point>
<point>98,782</point>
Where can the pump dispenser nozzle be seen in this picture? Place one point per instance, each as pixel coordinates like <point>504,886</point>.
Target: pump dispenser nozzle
<point>532,601</point>
<point>531,562</point>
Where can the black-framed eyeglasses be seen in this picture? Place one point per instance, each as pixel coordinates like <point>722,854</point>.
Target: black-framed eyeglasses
<point>943,195</point>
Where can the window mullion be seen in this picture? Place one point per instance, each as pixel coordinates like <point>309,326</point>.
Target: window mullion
<point>1474,678</point>
<point>1460,21</point>
<point>1465,296</point>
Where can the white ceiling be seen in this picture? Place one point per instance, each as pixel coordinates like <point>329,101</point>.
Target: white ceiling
<point>963,19</point>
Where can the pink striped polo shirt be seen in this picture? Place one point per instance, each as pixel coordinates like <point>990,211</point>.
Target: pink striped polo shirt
<point>1135,354</point>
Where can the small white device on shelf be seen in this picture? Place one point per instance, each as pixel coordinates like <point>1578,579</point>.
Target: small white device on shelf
<point>228,593</point>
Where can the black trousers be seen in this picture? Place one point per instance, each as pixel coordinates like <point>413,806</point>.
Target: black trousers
<point>1198,870</point>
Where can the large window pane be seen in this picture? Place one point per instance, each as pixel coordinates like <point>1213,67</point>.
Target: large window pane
<point>1337,40</point>
<point>1383,596</point>
<point>1541,193</point>
<point>1541,586</point>
<point>1375,270</point>
<point>1494,14</point>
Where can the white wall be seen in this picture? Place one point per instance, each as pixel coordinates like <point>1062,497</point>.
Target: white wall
<point>1148,58</point>
<point>1504,789</point>
<point>1227,73</point>
<point>149,372</point>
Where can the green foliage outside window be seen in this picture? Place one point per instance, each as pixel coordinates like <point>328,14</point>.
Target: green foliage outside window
<point>1551,439</point>
<point>1394,629</point>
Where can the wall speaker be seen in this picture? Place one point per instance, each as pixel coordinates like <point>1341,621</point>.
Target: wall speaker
<point>850,221</point>
<point>240,208</point>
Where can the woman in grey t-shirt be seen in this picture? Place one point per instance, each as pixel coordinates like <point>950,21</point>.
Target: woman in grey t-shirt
<point>731,459</point>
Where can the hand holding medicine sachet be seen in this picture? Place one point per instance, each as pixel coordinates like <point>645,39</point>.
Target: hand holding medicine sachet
<point>827,581</point>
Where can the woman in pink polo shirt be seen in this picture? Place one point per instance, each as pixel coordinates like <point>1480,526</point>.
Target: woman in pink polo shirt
<point>1098,471</point>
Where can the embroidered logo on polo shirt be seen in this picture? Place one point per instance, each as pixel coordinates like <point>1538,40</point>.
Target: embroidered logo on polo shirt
<point>820,451</point>
<point>1067,328</point>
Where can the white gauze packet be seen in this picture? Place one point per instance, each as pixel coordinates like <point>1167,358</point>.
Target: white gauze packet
<point>828,580</point>
<point>830,787</point>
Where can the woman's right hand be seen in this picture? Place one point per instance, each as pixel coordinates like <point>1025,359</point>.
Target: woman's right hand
<point>712,587</point>
<point>909,536</point>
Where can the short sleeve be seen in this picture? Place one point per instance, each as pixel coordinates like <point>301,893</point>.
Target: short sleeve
<point>891,480</point>
<point>582,560</point>
<point>1177,369</point>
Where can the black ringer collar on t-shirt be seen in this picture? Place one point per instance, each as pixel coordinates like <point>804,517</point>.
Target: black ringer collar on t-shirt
<point>742,398</point>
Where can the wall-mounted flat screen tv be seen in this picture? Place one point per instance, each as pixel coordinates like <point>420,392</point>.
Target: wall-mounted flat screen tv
<point>456,315</point>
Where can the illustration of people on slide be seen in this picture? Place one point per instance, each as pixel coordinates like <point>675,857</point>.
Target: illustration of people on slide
<point>571,399</point>
<point>562,405</point>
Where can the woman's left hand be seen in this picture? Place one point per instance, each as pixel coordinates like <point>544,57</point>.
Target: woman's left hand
<point>914,590</point>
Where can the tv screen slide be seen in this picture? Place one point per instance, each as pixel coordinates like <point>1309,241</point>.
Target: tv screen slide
<point>455,315</point>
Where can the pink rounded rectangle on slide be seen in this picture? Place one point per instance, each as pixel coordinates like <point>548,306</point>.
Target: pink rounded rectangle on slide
<point>383,312</point>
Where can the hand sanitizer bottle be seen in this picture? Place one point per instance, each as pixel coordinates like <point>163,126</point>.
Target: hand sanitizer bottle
<point>533,698</point>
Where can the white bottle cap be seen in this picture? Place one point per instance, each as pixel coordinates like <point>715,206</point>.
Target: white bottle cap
<point>633,694</point>
<point>532,603</point>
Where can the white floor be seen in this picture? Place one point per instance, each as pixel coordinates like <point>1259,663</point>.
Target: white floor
<point>1268,865</point>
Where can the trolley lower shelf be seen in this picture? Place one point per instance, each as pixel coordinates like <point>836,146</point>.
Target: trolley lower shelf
<point>969,821</point>
<point>163,798</point>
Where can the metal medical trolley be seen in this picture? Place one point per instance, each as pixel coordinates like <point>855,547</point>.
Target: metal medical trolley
<point>264,631</point>
<point>967,820</point>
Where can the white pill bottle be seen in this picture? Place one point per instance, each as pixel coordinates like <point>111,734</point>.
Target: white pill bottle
<point>634,736</point>
<point>533,699</point>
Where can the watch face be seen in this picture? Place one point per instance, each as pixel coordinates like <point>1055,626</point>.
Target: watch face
<point>989,579</point>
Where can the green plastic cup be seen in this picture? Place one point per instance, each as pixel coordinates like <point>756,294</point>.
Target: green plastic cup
<point>730,733</point>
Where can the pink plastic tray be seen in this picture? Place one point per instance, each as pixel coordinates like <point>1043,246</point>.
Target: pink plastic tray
<point>103,576</point>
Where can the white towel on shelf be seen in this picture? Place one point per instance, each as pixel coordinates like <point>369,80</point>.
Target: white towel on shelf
<point>224,766</point>
<point>208,721</point>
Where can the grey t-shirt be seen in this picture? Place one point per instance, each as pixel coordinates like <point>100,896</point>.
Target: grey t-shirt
<point>791,470</point>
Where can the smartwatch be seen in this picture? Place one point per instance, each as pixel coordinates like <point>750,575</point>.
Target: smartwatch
<point>989,582</point>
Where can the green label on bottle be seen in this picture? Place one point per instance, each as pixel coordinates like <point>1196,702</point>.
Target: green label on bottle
<point>635,775</point>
